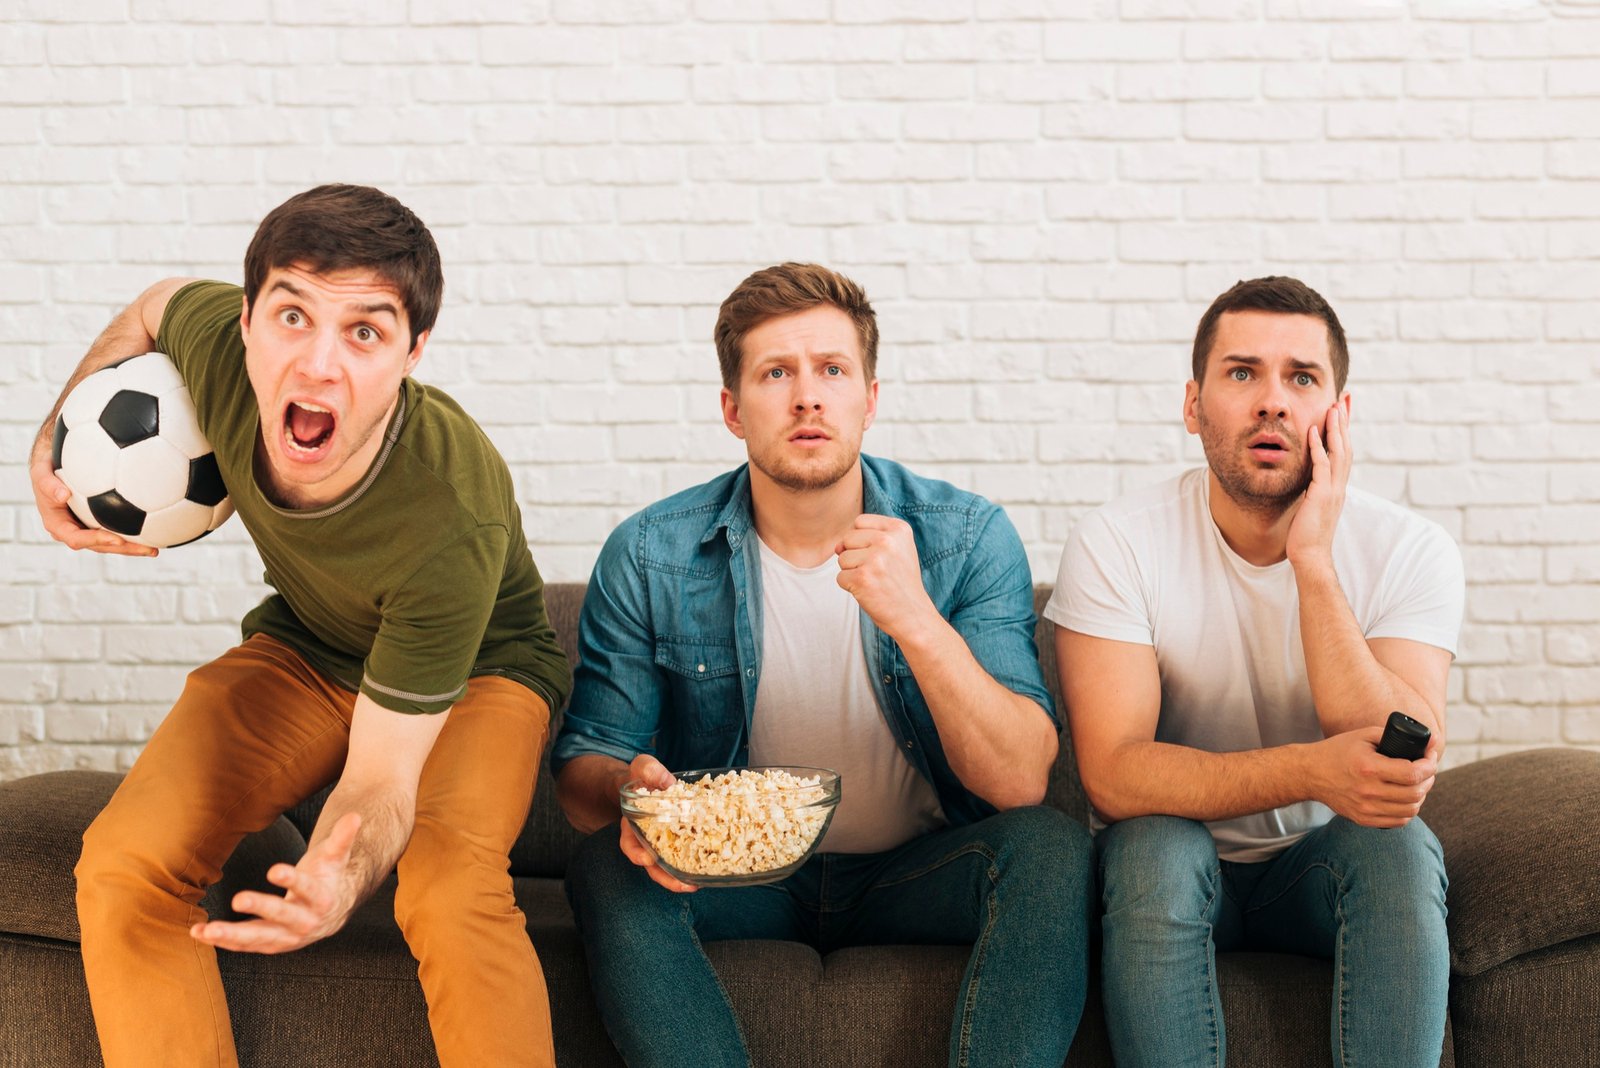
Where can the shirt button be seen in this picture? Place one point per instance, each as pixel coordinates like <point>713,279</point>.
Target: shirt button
<point>701,668</point>
<point>749,673</point>
<point>888,679</point>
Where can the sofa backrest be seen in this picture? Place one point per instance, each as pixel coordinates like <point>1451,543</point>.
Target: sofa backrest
<point>547,840</point>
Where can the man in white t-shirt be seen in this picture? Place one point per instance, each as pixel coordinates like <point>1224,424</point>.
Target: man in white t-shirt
<point>1231,644</point>
<point>817,606</point>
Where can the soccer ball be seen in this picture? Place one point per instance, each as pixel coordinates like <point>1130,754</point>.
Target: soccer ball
<point>129,447</point>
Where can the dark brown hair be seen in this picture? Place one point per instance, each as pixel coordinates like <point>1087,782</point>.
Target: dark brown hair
<point>339,227</point>
<point>1280,294</point>
<point>783,290</point>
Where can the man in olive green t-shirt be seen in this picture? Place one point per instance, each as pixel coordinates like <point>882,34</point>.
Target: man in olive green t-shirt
<point>405,653</point>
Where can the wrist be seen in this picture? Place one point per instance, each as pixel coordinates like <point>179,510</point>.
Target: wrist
<point>923,634</point>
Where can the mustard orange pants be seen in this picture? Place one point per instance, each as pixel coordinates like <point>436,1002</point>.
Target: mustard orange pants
<point>253,733</point>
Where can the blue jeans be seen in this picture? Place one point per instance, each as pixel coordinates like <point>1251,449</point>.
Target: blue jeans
<point>1019,886</point>
<point>1371,899</point>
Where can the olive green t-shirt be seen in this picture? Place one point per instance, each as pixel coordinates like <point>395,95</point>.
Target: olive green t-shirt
<point>415,580</point>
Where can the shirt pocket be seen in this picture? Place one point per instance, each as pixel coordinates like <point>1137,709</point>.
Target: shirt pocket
<point>704,680</point>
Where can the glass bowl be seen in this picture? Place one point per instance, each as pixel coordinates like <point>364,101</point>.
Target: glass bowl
<point>733,826</point>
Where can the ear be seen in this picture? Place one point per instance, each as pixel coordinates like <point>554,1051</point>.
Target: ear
<point>730,413</point>
<point>415,355</point>
<point>872,405</point>
<point>1191,406</point>
<point>244,318</point>
<point>1344,401</point>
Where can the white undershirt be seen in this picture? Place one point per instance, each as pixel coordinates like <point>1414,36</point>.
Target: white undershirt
<point>815,706</point>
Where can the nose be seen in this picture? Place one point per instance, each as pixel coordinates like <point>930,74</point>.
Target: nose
<point>1273,402</point>
<point>319,358</point>
<point>807,397</point>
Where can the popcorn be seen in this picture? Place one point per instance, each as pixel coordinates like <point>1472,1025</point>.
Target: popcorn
<point>740,822</point>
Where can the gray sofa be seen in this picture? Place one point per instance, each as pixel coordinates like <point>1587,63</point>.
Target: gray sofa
<point>1520,844</point>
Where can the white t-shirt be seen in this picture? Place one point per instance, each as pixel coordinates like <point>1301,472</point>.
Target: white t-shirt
<point>1153,568</point>
<point>815,706</point>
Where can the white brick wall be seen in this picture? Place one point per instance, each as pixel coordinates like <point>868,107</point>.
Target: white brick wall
<point>1040,195</point>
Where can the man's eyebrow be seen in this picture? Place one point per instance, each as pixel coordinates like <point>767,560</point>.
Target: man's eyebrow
<point>1255,361</point>
<point>376,308</point>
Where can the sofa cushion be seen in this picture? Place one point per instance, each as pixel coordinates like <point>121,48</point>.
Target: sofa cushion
<point>42,820</point>
<point>1522,853</point>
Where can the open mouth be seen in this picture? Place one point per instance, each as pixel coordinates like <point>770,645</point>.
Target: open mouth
<point>808,434</point>
<point>306,427</point>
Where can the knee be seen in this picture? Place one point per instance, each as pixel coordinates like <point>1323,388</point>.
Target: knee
<point>603,885</point>
<point>448,881</point>
<point>1163,864</point>
<point>1040,843</point>
<point>1403,866</point>
<point>114,868</point>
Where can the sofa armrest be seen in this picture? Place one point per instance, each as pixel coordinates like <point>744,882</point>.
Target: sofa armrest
<point>1522,853</point>
<point>42,820</point>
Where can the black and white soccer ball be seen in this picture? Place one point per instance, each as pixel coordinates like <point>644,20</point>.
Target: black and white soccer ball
<point>129,447</point>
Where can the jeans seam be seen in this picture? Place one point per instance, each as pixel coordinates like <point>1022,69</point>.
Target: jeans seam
<point>1210,975</point>
<point>972,847</point>
<point>1307,870</point>
<point>980,950</point>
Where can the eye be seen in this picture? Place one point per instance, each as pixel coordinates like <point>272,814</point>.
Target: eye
<point>291,317</point>
<point>835,370</point>
<point>776,372</point>
<point>365,334</point>
<point>1303,379</point>
<point>1239,374</point>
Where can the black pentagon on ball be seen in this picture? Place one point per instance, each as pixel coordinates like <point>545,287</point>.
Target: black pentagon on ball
<point>117,514</point>
<point>58,440</point>
<point>205,482</point>
<point>130,417</point>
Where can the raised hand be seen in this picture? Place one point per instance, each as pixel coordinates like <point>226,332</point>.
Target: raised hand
<point>318,899</point>
<point>1310,538</point>
<point>879,567</point>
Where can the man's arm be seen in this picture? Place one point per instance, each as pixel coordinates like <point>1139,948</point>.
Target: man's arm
<point>131,333</point>
<point>1354,683</point>
<point>1000,744</point>
<point>363,829</point>
<point>1113,696</point>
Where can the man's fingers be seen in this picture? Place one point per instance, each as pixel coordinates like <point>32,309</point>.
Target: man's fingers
<point>277,910</point>
<point>249,936</point>
<point>872,521</point>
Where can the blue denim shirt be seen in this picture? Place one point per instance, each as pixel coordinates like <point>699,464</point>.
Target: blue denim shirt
<point>669,642</point>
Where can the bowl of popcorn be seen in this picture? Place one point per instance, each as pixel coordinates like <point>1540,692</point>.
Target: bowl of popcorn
<point>733,826</point>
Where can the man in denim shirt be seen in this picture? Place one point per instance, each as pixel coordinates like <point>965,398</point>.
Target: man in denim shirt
<point>823,608</point>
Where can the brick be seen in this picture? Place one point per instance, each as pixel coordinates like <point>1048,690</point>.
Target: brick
<point>985,122</point>
<point>1378,41</point>
<point>869,11</point>
<point>1331,163</point>
<point>898,163</point>
<point>1484,645</point>
<point>1542,120</point>
<point>993,43</point>
<point>1049,402</point>
<point>922,81</point>
<point>620,12</point>
<point>1474,79</point>
<point>829,123</point>
<point>1185,82</point>
<point>1189,163</point>
<point>545,46</point>
<point>1575,646</point>
<point>1472,241</point>
<point>722,163</point>
<point>963,202</point>
<point>1410,121</point>
<point>830,44</point>
<point>1411,202</point>
<point>1109,43</point>
<point>1560,524</point>
<point>1332,81</point>
<point>1041,83</point>
<point>1179,243</point>
<point>1253,122</point>
<point>1479,162</point>
<point>595,85</point>
<point>1112,122</point>
<point>1254,41</point>
<point>1031,322</point>
<point>1103,443</point>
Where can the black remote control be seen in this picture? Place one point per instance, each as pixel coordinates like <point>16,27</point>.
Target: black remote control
<point>1403,737</point>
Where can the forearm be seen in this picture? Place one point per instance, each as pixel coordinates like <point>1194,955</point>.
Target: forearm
<point>587,791</point>
<point>387,814</point>
<point>1158,778</point>
<point>1000,744</point>
<point>126,335</point>
<point>1349,687</point>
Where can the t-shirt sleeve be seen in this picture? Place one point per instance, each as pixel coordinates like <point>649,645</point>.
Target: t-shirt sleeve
<point>1424,591</point>
<point>433,625</point>
<point>1099,590</point>
<point>200,335</point>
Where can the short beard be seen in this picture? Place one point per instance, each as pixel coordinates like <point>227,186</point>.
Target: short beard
<point>805,479</point>
<point>1240,483</point>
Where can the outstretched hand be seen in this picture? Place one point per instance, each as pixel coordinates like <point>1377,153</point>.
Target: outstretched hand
<point>1311,531</point>
<point>318,900</point>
